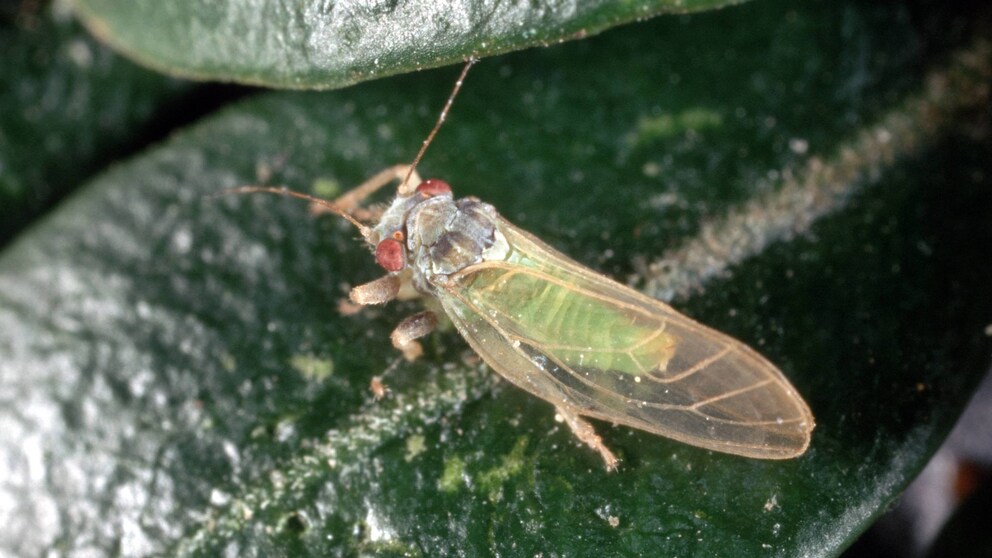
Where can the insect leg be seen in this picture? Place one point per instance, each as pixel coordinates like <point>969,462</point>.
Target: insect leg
<point>585,433</point>
<point>413,327</point>
<point>380,291</point>
<point>376,386</point>
<point>349,201</point>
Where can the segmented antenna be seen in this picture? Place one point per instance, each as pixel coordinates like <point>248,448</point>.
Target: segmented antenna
<point>362,229</point>
<point>440,121</point>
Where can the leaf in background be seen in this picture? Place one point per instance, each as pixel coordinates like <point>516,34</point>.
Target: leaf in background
<point>176,379</point>
<point>326,44</point>
<point>68,105</point>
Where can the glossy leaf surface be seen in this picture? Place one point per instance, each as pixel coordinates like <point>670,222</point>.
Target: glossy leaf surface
<point>321,44</point>
<point>68,106</point>
<point>177,379</point>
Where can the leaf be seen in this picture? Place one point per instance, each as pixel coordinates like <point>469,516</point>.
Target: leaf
<point>177,379</point>
<point>69,105</point>
<point>321,44</point>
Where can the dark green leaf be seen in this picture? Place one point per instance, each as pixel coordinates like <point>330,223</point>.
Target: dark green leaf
<point>325,44</point>
<point>177,378</point>
<point>67,106</point>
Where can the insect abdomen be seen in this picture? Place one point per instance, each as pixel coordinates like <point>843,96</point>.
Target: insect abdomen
<point>572,328</point>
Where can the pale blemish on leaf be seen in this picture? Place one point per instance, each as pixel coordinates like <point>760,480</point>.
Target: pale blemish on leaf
<point>326,188</point>
<point>771,503</point>
<point>415,445</point>
<point>453,475</point>
<point>668,125</point>
<point>228,361</point>
<point>313,368</point>
<point>491,481</point>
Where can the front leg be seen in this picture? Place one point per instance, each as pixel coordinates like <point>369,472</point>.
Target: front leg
<point>380,291</point>
<point>414,327</point>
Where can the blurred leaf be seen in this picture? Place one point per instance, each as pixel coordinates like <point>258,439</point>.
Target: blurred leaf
<point>321,44</point>
<point>176,378</point>
<point>68,105</point>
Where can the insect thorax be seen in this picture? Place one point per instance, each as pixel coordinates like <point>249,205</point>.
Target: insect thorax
<point>444,236</point>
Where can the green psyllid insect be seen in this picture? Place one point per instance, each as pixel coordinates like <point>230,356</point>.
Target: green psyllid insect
<point>577,339</point>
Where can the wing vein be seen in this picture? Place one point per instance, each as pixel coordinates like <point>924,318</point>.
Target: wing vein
<point>731,393</point>
<point>701,365</point>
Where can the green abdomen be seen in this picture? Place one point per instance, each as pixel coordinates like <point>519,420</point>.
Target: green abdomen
<point>575,327</point>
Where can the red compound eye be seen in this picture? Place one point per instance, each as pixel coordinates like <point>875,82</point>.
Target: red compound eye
<point>389,255</point>
<point>434,187</point>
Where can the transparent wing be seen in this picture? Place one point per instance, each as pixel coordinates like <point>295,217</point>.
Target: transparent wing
<point>580,340</point>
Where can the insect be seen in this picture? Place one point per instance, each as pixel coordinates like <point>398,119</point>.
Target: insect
<point>577,339</point>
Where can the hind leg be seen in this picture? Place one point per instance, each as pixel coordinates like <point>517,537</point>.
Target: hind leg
<point>584,431</point>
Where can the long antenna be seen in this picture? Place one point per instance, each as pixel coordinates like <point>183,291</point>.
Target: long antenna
<point>362,229</point>
<point>440,121</point>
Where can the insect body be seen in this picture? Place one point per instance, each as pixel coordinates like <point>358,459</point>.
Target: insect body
<point>588,345</point>
<point>584,343</point>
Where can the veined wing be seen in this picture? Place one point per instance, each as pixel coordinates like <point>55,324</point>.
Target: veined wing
<point>582,341</point>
